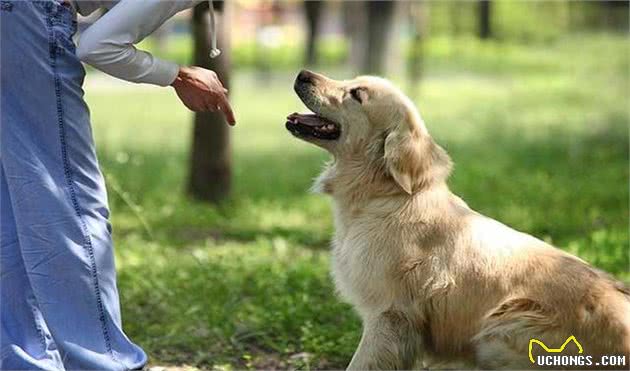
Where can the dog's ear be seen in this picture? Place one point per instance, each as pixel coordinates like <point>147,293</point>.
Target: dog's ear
<point>402,156</point>
<point>411,156</point>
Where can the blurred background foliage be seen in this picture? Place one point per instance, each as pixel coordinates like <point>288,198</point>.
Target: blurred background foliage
<point>275,30</point>
<point>534,113</point>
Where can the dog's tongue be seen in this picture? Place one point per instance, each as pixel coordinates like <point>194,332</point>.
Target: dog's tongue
<point>309,119</point>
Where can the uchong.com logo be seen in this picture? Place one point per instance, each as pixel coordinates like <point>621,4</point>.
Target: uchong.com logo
<point>554,359</point>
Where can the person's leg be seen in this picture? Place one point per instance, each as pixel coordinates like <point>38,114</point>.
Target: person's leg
<point>56,189</point>
<point>25,340</point>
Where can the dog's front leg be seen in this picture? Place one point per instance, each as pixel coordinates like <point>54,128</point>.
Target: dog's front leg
<point>387,343</point>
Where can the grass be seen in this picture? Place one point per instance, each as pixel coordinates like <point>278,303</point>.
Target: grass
<point>539,135</point>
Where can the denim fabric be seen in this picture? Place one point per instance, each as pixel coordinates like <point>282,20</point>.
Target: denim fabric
<point>59,305</point>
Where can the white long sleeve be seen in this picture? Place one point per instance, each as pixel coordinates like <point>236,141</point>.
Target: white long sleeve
<point>108,44</point>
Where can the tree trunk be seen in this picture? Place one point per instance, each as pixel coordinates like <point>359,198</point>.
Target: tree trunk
<point>210,162</point>
<point>312,11</point>
<point>354,22</point>
<point>380,16</point>
<point>485,12</point>
<point>417,21</point>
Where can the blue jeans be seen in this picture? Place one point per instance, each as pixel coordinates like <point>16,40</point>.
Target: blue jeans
<point>59,305</point>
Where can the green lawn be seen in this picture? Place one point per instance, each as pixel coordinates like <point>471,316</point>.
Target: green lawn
<point>539,136</point>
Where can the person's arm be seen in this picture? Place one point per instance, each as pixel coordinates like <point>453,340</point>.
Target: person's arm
<point>108,44</point>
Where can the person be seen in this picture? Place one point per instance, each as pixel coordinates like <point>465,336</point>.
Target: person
<point>59,302</point>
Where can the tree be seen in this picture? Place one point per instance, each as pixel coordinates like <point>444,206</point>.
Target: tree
<point>380,16</point>
<point>354,19</point>
<point>485,12</point>
<point>313,11</point>
<point>210,175</point>
<point>417,21</point>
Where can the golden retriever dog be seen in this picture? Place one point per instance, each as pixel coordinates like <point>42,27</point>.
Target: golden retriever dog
<point>434,282</point>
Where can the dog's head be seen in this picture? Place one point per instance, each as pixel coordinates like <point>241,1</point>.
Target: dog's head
<point>370,119</point>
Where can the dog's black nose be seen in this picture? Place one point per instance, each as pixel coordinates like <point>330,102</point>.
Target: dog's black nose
<point>305,76</point>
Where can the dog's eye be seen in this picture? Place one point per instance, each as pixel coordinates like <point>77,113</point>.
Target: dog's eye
<point>356,94</point>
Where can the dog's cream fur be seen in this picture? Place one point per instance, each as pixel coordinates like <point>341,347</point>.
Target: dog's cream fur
<point>432,279</point>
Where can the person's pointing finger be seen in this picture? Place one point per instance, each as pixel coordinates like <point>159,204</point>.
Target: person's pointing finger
<point>225,107</point>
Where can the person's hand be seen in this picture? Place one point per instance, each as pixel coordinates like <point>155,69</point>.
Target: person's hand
<point>201,91</point>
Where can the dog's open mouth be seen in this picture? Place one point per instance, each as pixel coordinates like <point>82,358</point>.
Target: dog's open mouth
<point>312,125</point>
